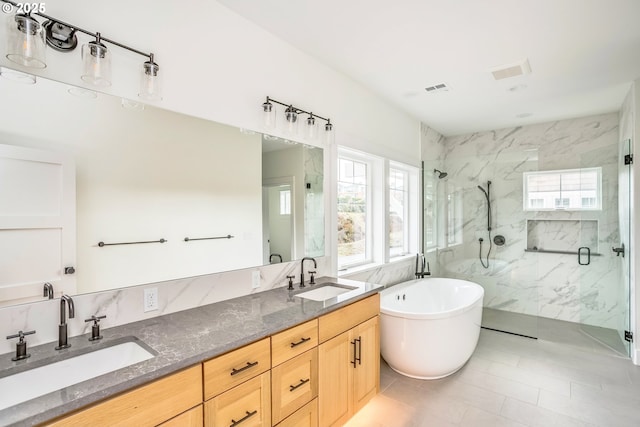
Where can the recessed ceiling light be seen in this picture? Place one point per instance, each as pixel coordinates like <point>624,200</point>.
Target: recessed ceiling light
<point>524,115</point>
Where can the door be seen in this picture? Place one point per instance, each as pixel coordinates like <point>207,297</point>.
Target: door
<point>335,380</point>
<point>367,370</point>
<point>605,281</point>
<point>37,223</point>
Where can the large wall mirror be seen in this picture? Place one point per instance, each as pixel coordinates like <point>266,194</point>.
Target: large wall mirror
<point>78,169</point>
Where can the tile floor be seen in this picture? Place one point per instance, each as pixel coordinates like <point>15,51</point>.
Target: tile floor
<point>513,381</point>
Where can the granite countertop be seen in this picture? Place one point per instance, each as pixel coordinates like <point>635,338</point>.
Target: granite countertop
<point>180,339</point>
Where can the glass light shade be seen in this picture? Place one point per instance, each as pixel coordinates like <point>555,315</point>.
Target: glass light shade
<point>311,128</point>
<point>328,133</point>
<point>269,115</point>
<point>26,43</point>
<point>96,61</point>
<point>150,84</point>
<point>291,126</point>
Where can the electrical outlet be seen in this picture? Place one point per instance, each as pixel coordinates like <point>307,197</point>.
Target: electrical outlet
<point>150,299</point>
<point>255,279</point>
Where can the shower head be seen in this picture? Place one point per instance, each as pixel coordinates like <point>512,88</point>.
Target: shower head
<point>440,173</point>
<point>483,190</point>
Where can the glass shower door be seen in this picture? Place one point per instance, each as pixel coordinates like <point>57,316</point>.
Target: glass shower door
<point>604,276</point>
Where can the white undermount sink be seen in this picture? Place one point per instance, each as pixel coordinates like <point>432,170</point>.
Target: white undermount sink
<point>32,383</point>
<point>325,292</point>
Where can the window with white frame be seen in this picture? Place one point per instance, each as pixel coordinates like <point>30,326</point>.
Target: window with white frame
<point>285,202</point>
<point>403,209</point>
<point>377,208</point>
<point>569,189</point>
<point>354,211</point>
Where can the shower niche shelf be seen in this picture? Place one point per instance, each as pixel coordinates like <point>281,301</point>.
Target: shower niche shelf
<point>555,236</point>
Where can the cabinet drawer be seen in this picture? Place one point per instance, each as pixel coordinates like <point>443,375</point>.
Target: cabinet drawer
<point>307,416</point>
<point>191,418</point>
<point>294,383</point>
<point>233,368</point>
<point>247,405</point>
<point>343,319</point>
<point>148,405</point>
<point>293,342</point>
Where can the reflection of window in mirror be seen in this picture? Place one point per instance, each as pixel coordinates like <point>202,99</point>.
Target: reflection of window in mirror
<point>454,214</point>
<point>285,202</point>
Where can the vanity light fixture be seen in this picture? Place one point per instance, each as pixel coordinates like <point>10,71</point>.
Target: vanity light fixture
<point>96,60</point>
<point>27,48</point>
<point>150,85</point>
<point>26,42</point>
<point>291,114</point>
<point>291,120</point>
<point>269,114</point>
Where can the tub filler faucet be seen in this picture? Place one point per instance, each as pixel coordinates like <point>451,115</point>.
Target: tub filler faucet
<point>62,327</point>
<point>420,265</point>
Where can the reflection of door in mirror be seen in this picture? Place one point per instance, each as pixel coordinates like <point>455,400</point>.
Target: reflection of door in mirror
<point>37,223</point>
<point>279,220</point>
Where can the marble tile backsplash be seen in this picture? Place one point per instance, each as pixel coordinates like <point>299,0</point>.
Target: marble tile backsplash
<point>125,305</point>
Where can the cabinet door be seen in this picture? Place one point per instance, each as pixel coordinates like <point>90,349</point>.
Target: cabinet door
<point>366,382</point>
<point>335,380</point>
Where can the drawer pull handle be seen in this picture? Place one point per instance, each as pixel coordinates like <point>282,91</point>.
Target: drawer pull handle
<point>302,341</point>
<point>246,417</point>
<point>300,384</point>
<point>244,368</point>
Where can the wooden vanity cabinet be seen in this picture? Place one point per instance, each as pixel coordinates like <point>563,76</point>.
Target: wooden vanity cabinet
<point>318,373</point>
<point>348,360</point>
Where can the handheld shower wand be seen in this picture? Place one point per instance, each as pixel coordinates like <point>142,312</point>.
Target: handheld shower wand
<point>487,194</point>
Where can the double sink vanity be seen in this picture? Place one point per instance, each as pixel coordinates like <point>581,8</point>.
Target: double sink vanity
<point>302,357</point>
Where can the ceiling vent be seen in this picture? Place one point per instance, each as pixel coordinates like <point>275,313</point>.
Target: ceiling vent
<point>440,87</point>
<point>511,70</point>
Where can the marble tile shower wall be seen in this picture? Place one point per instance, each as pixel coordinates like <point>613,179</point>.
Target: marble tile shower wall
<point>124,305</point>
<point>548,285</point>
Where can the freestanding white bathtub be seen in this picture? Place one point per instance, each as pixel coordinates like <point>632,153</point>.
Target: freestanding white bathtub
<point>429,328</point>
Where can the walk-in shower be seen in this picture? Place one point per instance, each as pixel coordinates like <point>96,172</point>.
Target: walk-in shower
<point>544,204</point>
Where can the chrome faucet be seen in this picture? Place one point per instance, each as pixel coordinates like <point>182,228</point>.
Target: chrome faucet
<point>315,265</point>
<point>62,327</point>
<point>47,290</point>
<point>420,264</point>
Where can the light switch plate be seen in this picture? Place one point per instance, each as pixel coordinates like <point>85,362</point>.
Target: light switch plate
<point>255,279</point>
